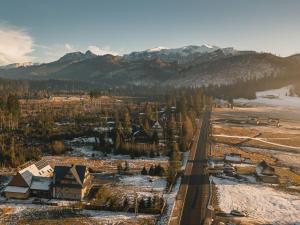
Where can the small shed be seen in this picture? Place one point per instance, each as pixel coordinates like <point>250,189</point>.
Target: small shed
<point>233,158</point>
<point>266,173</point>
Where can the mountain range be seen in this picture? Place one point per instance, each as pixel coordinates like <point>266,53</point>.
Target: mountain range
<point>187,66</point>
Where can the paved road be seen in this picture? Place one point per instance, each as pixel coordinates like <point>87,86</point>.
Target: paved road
<point>194,210</point>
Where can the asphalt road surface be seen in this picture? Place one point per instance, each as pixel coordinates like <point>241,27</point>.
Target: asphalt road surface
<point>194,209</point>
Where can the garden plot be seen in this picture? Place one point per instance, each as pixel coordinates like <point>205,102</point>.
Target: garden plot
<point>261,202</point>
<point>144,183</point>
<point>35,214</point>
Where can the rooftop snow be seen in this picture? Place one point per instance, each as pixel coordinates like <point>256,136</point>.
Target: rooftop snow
<point>15,189</point>
<point>40,184</point>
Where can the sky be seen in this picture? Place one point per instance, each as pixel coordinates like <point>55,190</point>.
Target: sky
<point>43,31</point>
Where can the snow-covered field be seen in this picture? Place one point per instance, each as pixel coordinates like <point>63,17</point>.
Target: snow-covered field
<point>84,146</point>
<point>263,203</point>
<point>101,217</point>
<point>107,217</point>
<point>276,97</point>
<point>145,182</point>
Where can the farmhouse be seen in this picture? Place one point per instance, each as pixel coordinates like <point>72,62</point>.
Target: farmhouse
<point>266,173</point>
<point>71,182</point>
<point>34,179</point>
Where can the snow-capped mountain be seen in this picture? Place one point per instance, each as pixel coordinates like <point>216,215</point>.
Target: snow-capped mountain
<point>179,55</point>
<point>156,49</point>
<point>17,65</point>
<point>77,56</point>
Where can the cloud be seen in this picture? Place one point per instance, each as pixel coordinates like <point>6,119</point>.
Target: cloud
<point>52,52</point>
<point>69,47</point>
<point>102,51</point>
<point>15,44</point>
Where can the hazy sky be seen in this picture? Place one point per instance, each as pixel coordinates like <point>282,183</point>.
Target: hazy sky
<point>37,30</point>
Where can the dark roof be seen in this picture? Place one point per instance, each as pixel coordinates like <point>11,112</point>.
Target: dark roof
<point>27,176</point>
<point>61,172</point>
<point>19,181</point>
<point>141,133</point>
<point>41,164</point>
<point>81,171</point>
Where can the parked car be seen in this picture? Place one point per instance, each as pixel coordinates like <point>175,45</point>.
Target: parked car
<point>38,201</point>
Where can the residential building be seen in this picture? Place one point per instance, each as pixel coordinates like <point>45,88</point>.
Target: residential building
<point>34,179</point>
<point>71,182</point>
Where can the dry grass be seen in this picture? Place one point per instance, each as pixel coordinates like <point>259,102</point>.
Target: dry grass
<point>244,170</point>
<point>64,221</point>
<point>234,130</point>
<point>286,176</point>
<point>219,150</point>
<point>83,221</point>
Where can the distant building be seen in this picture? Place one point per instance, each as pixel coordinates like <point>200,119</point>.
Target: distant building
<point>142,137</point>
<point>33,180</point>
<point>233,158</point>
<point>274,122</point>
<point>71,182</point>
<point>253,120</point>
<point>158,128</point>
<point>266,173</point>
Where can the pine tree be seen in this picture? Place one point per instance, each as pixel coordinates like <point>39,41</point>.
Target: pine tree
<point>151,171</point>
<point>126,203</point>
<point>126,168</point>
<point>120,168</point>
<point>144,171</point>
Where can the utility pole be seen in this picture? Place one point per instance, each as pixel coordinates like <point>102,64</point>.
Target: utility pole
<point>136,205</point>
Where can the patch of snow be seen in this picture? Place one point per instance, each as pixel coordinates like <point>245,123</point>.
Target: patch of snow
<point>275,97</point>
<point>145,182</point>
<point>108,217</point>
<point>170,198</point>
<point>14,189</point>
<point>261,202</point>
<point>156,49</point>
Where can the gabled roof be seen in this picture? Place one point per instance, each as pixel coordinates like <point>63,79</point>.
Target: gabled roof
<point>24,177</point>
<point>155,124</point>
<point>78,171</point>
<point>81,171</point>
<point>140,133</point>
<point>19,181</point>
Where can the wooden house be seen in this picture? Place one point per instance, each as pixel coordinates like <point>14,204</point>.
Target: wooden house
<point>71,182</point>
<point>34,179</point>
